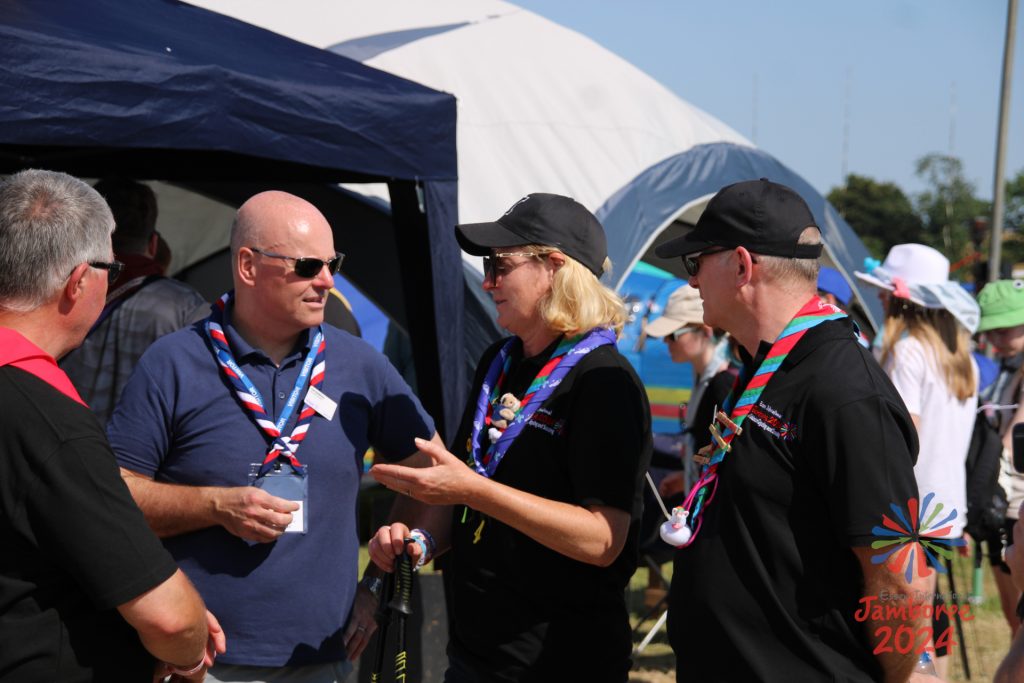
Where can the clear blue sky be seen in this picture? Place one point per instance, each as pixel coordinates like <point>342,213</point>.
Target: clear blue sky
<point>913,69</point>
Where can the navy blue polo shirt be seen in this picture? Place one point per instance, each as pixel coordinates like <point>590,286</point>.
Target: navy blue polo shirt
<point>178,421</point>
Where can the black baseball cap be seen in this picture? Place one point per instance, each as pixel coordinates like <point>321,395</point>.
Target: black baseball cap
<point>540,218</point>
<point>765,217</point>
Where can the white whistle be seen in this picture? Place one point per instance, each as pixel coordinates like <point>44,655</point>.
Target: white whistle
<point>674,531</point>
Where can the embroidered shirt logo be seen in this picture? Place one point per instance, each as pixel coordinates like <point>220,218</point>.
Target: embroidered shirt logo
<point>546,422</point>
<point>770,420</point>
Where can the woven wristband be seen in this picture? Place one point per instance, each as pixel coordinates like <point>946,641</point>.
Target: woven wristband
<point>426,543</point>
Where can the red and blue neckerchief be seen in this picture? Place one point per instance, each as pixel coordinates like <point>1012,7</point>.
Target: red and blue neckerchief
<point>813,313</point>
<point>568,353</point>
<point>313,369</point>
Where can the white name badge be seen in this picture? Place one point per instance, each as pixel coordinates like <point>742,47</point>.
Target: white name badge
<point>321,403</point>
<point>284,483</point>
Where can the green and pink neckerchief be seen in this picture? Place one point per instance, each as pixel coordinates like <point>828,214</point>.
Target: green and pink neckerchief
<point>567,354</point>
<point>813,313</point>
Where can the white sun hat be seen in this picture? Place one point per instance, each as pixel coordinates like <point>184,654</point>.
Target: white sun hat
<point>921,274</point>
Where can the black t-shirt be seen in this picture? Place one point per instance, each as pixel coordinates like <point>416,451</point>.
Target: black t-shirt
<point>523,612</point>
<point>769,588</point>
<point>73,545</point>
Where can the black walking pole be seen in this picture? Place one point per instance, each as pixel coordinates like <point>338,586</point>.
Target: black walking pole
<point>402,604</point>
<point>955,598</point>
<point>383,619</point>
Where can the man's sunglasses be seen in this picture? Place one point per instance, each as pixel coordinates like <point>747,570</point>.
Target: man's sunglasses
<point>307,266</point>
<point>113,269</point>
<point>692,262</point>
<point>494,266</point>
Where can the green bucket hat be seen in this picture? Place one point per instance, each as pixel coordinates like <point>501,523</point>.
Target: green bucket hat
<point>1002,305</point>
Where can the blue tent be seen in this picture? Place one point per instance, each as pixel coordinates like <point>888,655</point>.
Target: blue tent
<point>158,89</point>
<point>635,216</point>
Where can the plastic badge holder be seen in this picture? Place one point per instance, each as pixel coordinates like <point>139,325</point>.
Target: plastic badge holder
<point>284,482</point>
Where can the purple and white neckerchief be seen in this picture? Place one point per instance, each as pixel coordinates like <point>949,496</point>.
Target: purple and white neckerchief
<point>313,369</point>
<point>571,351</point>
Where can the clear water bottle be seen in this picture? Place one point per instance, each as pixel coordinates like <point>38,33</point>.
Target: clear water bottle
<point>925,665</point>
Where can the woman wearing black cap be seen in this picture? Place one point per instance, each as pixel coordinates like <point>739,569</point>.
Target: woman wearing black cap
<point>540,503</point>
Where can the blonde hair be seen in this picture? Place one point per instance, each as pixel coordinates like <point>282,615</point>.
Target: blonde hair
<point>578,302</point>
<point>937,330</point>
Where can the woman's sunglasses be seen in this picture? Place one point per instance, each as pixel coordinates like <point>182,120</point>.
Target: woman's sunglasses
<point>497,265</point>
<point>307,266</point>
<point>674,336</point>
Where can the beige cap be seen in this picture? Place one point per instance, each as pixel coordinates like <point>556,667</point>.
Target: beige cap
<point>684,307</point>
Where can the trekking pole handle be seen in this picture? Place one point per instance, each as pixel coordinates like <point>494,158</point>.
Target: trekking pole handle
<point>401,602</point>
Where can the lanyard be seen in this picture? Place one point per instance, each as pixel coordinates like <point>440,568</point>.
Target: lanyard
<point>813,313</point>
<point>313,369</point>
<point>568,353</point>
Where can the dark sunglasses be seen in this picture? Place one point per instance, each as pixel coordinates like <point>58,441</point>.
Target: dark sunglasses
<point>307,266</point>
<point>113,269</point>
<point>674,336</point>
<point>692,263</point>
<point>494,266</point>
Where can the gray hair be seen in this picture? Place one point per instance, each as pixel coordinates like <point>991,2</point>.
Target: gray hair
<point>49,223</point>
<point>782,269</point>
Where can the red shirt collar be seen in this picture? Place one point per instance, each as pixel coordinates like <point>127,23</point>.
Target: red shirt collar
<point>19,352</point>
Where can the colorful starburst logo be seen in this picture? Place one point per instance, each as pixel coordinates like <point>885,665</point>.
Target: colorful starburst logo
<point>912,546</point>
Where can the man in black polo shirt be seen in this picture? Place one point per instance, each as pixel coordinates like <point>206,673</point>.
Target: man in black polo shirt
<point>773,581</point>
<point>79,567</point>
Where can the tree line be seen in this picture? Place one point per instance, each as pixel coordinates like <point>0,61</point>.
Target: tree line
<point>947,215</point>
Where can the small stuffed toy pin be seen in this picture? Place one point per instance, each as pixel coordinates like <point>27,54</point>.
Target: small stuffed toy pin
<point>507,407</point>
<point>674,531</point>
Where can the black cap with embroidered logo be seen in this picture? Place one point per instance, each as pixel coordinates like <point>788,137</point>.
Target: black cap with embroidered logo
<point>540,218</point>
<point>765,217</point>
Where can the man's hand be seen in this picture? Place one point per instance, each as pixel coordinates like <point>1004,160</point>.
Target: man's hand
<point>252,514</point>
<point>216,644</point>
<point>361,625</point>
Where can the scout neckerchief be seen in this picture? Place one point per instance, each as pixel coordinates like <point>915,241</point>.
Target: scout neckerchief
<point>813,313</point>
<point>19,352</point>
<point>250,398</point>
<point>568,353</point>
